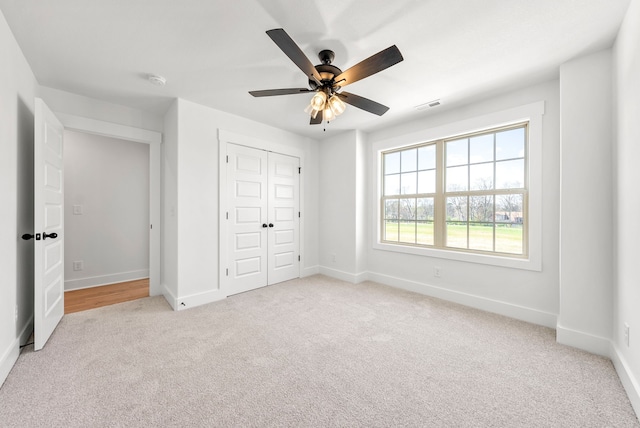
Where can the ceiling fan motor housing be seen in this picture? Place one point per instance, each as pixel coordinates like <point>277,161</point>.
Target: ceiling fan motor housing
<point>327,72</point>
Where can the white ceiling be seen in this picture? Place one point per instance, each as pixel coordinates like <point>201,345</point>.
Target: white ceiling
<point>213,52</point>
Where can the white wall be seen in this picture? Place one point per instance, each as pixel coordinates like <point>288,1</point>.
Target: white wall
<point>338,214</point>
<point>169,222</point>
<point>361,202</point>
<point>343,210</point>
<point>18,89</point>
<point>626,179</point>
<point>108,179</point>
<point>586,212</point>
<point>525,294</point>
<point>191,197</point>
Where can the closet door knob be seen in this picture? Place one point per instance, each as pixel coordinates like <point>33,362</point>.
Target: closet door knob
<point>50,235</point>
<point>264,224</point>
<point>270,224</point>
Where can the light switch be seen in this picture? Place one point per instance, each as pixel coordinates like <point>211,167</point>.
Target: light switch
<point>77,210</point>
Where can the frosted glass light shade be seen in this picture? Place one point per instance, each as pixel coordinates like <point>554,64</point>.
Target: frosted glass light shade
<point>318,100</point>
<point>336,104</point>
<point>328,114</point>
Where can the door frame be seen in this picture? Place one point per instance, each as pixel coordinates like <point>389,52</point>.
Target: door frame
<point>137,135</point>
<point>229,137</point>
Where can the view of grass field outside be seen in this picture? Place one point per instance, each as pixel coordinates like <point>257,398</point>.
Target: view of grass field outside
<point>482,199</point>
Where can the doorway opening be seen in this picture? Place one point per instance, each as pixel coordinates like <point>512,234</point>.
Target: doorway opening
<point>106,182</point>
<point>152,140</point>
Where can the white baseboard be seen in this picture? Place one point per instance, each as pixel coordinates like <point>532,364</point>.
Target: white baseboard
<point>191,301</point>
<point>171,299</point>
<point>353,278</point>
<point>629,381</point>
<point>94,281</point>
<point>309,271</point>
<point>11,354</point>
<point>502,308</point>
<point>585,341</point>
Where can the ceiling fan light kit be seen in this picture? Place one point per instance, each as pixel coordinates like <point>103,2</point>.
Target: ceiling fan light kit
<point>330,108</point>
<point>327,80</point>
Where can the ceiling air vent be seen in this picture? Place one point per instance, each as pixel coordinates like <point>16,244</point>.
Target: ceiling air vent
<point>430,104</point>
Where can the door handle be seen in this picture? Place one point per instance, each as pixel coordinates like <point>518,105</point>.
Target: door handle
<point>264,224</point>
<point>50,235</point>
<point>28,236</point>
<point>270,224</point>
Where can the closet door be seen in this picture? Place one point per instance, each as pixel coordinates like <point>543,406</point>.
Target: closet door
<point>263,193</point>
<point>247,195</point>
<point>284,221</point>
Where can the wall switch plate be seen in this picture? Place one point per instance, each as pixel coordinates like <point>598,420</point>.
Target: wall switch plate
<point>77,210</point>
<point>78,265</point>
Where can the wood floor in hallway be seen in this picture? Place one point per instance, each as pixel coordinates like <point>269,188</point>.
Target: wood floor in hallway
<point>105,295</point>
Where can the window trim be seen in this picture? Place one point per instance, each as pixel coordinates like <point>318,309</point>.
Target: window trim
<point>531,113</point>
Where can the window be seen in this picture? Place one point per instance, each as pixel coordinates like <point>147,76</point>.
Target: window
<point>468,193</point>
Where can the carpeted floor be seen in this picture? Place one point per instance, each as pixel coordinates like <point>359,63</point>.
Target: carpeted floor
<point>309,352</point>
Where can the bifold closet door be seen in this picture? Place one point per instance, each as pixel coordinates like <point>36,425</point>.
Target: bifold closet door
<point>263,196</point>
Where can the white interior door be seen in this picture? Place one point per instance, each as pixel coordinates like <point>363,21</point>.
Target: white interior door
<point>284,218</point>
<point>48,224</point>
<point>247,218</point>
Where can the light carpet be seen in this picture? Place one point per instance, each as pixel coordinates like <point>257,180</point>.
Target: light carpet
<point>309,352</point>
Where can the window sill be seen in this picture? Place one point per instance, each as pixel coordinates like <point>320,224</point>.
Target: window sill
<point>485,259</point>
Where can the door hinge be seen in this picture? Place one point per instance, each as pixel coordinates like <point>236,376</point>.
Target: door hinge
<point>227,158</point>
<point>227,215</point>
<point>299,169</point>
<point>298,258</point>
<point>151,227</point>
<point>298,214</point>
<point>227,272</point>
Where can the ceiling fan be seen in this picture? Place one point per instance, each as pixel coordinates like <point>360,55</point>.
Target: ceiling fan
<point>327,80</point>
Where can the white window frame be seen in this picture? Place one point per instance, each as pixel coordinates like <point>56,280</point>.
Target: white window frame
<point>531,113</point>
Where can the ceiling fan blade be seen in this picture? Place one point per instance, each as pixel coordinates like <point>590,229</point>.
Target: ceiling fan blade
<point>363,103</point>
<point>372,65</point>
<point>289,47</point>
<point>317,120</point>
<point>272,92</point>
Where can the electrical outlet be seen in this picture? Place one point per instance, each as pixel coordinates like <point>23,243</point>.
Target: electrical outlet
<point>626,334</point>
<point>437,272</point>
<point>78,265</point>
<point>333,258</point>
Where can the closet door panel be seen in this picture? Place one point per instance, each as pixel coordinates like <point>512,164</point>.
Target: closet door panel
<point>283,208</point>
<point>247,194</point>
